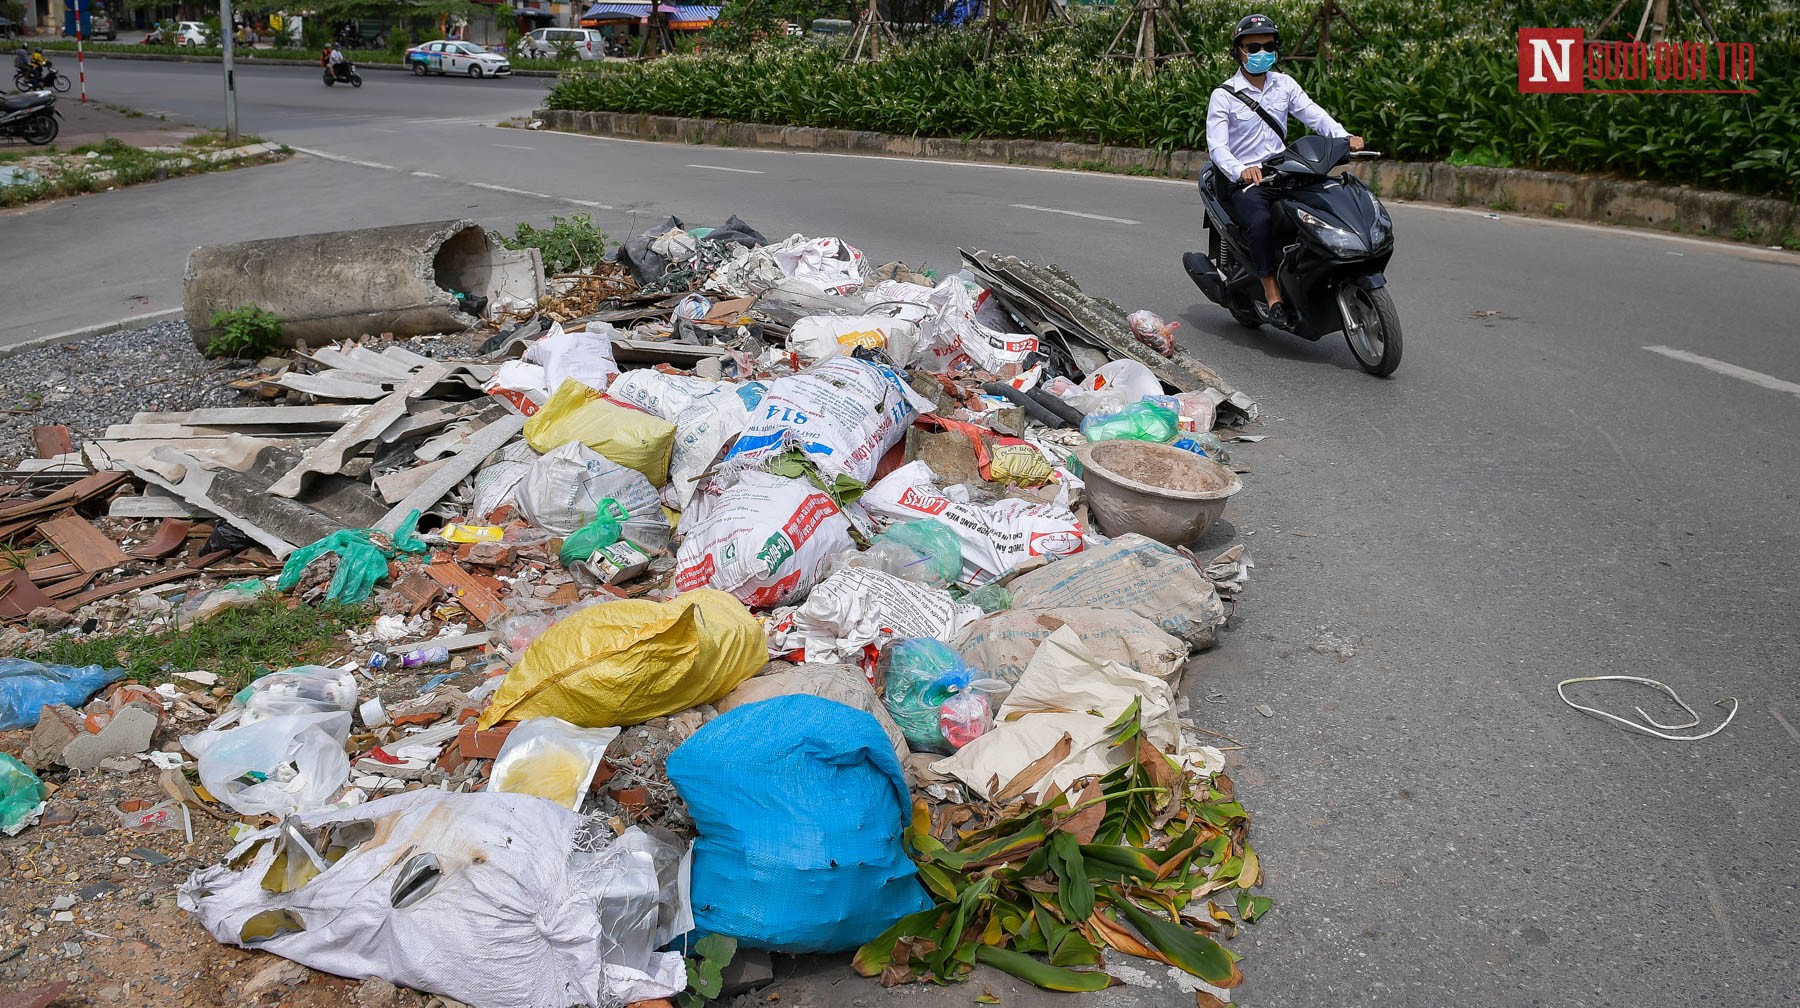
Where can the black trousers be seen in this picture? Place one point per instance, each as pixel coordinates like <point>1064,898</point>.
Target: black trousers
<point>1252,208</point>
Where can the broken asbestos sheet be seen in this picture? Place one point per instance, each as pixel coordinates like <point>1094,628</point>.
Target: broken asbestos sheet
<point>496,900</point>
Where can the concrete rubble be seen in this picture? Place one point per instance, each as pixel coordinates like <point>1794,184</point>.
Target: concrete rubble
<point>682,452</point>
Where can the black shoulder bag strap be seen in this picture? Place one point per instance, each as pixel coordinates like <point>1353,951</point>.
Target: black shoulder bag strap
<point>1280,130</point>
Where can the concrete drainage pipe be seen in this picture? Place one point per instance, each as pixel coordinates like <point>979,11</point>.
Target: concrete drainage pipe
<point>342,285</point>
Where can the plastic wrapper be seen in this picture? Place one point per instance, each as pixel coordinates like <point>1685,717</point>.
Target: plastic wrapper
<point>551,758</point>
<point>1112,387</point>
<point>305,689</point>
<point>917,677</point>
<point>858,609</point>
<point>562,491</point>
<point>819,337</point>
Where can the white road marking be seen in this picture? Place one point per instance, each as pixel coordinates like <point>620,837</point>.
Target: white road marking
<point>714,167</point>
<point>1077,213</point>
<point>378,166</point>
<point>513,147</point>
<point>1728,369</point>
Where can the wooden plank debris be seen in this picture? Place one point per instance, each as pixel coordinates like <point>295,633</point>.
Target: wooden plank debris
<point>82,543</point>
<point>169,537</point>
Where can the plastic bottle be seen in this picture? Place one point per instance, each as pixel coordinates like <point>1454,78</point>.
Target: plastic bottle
<point>1141,421</point>
<point>420,657</point>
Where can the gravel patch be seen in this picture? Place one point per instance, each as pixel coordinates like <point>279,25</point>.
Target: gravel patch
<point>106,380</point>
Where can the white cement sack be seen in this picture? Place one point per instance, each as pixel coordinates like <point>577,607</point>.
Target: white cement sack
<point>661,395</point>
<point>843,413</point>
<point>1131,572</point>
<point>845,684</point>
<point>496,900</point>
<point>827,263</point>
<point>706,415</point>
<point>995,537</point>
<point>819,337</point>
<point>764,539</point>
<point>857,607</point>
<point>1001,644</point>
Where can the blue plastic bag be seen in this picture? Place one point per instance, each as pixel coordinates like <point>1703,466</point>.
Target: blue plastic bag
<point>800,804</point>
<point>26,686</point>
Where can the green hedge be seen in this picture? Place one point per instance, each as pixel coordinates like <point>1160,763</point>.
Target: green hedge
<point>1431,83</point>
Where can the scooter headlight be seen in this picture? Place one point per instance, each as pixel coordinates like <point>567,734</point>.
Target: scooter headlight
<point>1335,238</point>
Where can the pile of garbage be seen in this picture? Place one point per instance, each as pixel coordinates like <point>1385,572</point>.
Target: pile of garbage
<point>780,599</point>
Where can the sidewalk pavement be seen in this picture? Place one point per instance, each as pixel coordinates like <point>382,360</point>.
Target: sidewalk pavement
<point>93,124</point>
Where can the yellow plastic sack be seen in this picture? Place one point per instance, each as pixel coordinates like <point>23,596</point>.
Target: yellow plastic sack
<point>625,662</point>
<point>632,439</point>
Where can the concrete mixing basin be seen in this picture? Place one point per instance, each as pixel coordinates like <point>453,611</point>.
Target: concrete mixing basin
<point>1170,495</point>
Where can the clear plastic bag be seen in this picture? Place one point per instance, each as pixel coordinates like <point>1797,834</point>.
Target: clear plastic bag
<point>1153,332</point>
<point>305,689</point>
<point>279,766</point>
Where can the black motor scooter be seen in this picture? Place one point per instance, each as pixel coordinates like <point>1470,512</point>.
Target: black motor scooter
<point>1336,239</point>
<point>32,117</point>
<point>342,72</point>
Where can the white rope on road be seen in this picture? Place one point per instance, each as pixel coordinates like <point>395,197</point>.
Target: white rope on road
<point>1650,726</point>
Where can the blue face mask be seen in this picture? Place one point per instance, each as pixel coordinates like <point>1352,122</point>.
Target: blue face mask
<point>1259,62</point>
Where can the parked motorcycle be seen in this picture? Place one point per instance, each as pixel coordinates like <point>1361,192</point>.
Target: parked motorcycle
<point>342,73</point>
<point>1336,239</point>
<point>32,117</point>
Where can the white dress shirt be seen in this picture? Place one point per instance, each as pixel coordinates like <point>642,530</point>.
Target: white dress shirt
<point>1237,137</point>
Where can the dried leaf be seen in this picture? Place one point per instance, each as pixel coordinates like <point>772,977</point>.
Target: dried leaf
<point>1028,778</point>
<point>1251,874</point>
<point>1204,1000</point>
<point>1085,823</point>
<point>1116,936</point>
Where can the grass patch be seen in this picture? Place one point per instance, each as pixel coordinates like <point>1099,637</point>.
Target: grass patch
<point>237,644</point>
<point>110,164</point>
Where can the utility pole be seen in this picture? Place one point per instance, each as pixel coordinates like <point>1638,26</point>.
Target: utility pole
<point>231,122</point>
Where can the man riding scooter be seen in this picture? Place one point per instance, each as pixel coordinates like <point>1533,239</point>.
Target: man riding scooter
<point>1246,122</point>
<point>32,65</point>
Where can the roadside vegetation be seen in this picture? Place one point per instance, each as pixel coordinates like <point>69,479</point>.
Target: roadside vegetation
<point>1427,81</point>
<point>50,174</point>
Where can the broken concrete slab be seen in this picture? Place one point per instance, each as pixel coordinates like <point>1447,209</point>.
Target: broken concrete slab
<point>234,417</point>
<point>130,732</point>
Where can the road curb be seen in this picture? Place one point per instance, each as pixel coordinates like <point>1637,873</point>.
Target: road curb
<point>88,332</point>
<point>106,54</point>
<point>1679,209</point>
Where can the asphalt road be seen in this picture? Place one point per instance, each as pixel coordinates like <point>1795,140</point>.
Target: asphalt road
<point>1534,496</point>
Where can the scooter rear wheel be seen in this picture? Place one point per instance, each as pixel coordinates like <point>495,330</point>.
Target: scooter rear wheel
<point>1371,327</point>
<point>41,129</point>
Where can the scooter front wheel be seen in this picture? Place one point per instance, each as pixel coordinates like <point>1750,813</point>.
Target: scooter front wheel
<point>1371,327</point>
<point>356,80</point>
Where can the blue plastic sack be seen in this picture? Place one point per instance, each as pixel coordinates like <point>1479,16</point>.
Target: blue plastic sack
<point>26,686</point>
<point>800,804</point>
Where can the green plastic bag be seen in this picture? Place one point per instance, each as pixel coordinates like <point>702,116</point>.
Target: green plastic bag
<point>933,542</point>
<point>21,795</point>
<point>363,556</point>
<point>1141,421</point>
<point>596,535</point>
